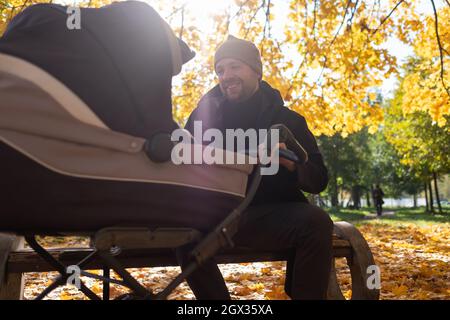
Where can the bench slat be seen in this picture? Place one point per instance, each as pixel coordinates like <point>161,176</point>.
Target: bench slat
<point>29,261</point>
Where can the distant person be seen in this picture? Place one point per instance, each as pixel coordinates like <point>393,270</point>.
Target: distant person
<point>377,195</point>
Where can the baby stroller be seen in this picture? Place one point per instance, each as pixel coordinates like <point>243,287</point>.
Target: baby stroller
<point>85,123</point>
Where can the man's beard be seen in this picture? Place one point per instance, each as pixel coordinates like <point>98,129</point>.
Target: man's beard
<point>234,90</point>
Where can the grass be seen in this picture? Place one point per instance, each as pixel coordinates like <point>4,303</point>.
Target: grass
<point>416,216</point>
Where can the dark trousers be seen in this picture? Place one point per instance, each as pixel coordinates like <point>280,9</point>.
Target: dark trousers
<point>379,206</point>
<point>301,227</point>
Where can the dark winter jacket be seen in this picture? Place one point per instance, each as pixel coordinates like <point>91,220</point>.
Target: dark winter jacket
<point>263,109</point>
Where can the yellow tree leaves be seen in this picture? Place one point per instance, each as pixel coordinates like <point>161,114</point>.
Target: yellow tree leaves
<point>9,8</point>
<point>341,62</point>
<point>420,142</point>
<point>413,259</point>
<point>423,87</point>
<point>326,61</point>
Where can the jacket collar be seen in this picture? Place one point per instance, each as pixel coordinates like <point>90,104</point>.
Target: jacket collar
<point>213,101</point>
<point>272,97</point>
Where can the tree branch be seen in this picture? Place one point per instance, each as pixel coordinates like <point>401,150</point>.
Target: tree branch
<point>236,14</point>
<point>247,30</point>
<point>332,41</point>
<point>342,23</point>
<point>349,22</point>
<point>441,51</point>
<point>266,24</point>
<point>314,21</point>
<point>175,11</point>
<point>304,56</point>
<point>388,16</point>
<point>296,75</point>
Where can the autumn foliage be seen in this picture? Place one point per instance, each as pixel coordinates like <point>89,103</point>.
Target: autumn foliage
<point>327,60</point>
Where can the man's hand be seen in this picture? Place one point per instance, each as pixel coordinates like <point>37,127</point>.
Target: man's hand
<point>288,164</point>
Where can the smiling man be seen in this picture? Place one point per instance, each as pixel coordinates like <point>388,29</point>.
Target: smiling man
<point>280,216</point>
<point>240,86</point>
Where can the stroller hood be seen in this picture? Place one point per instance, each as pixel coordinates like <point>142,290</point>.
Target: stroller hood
<point>44,120</point>
<point>120,63</point>
<point>83,102</point>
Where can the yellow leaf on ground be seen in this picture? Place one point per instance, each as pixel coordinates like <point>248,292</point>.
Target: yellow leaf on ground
<point>400,290</point>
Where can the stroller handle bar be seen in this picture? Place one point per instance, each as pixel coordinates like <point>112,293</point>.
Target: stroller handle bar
<point>295,151</point>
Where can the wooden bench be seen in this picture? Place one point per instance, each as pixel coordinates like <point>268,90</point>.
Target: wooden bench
<point>347,242</point>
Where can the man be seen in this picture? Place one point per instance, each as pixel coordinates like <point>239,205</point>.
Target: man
<point>378,195</point>
<point>280,216</point>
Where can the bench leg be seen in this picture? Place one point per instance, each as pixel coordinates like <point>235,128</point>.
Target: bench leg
<point>334,290</point>
<point>13,287</point>
<point>359,263</point>
<point>12,284</point>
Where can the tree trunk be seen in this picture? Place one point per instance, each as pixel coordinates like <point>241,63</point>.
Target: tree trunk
<point>334,193</point>
<point>431,196</point>
<point>334,200</point>
<point>368,198</point>
<point>356,197</point>
<point>437,192</point>
<point>427,206</point>
<point>322,203</point>
<point>415,200</point>
<point>312,199</point>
